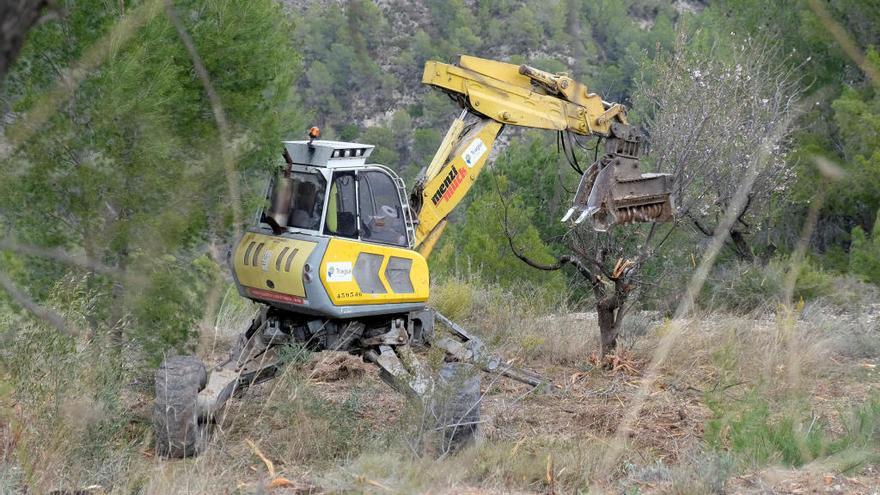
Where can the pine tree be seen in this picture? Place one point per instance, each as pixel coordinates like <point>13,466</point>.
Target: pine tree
<point>129,171</point>
<point>864,254</point>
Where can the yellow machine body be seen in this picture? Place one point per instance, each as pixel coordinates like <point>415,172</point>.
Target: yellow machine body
<point>328,276</point>
<point>344,290</point>
<point>272,263</point>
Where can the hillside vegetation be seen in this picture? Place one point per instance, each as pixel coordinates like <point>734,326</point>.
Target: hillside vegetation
<point>747,354</point>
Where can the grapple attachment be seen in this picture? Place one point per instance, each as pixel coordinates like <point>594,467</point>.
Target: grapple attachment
<point>613,191</point>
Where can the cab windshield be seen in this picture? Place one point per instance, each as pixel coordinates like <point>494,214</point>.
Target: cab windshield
<point>362,204</point>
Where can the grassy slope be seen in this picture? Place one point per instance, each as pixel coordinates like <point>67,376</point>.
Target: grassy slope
<point>743,404</point>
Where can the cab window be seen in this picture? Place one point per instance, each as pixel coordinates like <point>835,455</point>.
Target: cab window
<point>297,201</point>
<point>307,202</point>
<point>342,206</point>
<point>381,215</point>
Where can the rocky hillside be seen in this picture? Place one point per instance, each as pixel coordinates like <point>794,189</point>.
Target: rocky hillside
<point>363,60</point>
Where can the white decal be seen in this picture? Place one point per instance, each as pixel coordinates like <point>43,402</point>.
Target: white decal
<point>474,152</point>
<point>265,261</point>
<point>339,271</point>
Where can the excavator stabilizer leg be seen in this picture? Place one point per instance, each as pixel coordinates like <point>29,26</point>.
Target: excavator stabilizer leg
<point>467,348</point>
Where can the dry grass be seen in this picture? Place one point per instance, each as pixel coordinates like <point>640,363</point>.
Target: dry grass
<point>328,424</point>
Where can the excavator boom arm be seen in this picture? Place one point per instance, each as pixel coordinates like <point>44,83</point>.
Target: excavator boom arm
<point>458,162</point>
<point>494,94</point>
<point>510,94</point>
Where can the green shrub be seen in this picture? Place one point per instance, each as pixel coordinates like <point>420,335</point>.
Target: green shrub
<point>747,430</point>
<point>863,426</point>
<point>743,286</point>
<point>454,298</point>
<point>812,283</point>
<point>864,254</point>
<point>171,304</point>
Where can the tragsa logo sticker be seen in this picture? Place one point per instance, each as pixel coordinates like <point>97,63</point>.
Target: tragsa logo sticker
<point>339,271</point>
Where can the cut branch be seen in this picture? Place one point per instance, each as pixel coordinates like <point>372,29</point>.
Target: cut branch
<point>560,261</point>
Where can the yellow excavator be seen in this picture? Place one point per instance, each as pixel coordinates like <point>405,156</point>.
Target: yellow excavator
<point>336,259</point>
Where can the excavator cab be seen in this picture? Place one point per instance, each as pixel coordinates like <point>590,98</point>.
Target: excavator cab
<point>346,199</point>
<point>335,239</point>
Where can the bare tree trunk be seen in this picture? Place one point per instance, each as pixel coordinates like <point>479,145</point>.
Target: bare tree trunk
<point>16,19</point>
<point>741,246</point>
<point>606,309</point>
<point>609,299</point>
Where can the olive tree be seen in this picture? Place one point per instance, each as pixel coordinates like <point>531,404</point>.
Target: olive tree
<point>707,112</point>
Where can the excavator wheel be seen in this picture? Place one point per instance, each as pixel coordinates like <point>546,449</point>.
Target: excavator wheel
<point>179,380</point>
<point>456,406</point>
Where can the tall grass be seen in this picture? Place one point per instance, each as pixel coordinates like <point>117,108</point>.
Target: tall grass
<point>527,324</point>
<point>67,409</point>
<point>75,413</point>
<point>747,430</point>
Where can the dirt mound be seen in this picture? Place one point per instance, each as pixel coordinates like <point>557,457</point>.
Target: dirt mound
<point>331,366</point>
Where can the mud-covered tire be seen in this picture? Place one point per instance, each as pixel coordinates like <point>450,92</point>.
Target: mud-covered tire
<point>456,406</point>
<point>178,431</point>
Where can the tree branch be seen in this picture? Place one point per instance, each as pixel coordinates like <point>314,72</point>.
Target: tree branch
<point>16,19</point>
<point>700,227</point>
<point>49,316</point>
<point>744,210</point>
<point>561,261</point>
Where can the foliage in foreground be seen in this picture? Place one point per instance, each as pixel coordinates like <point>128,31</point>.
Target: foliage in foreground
<point>864,257</point>
<point>747,429</point>
<point>129,170</point>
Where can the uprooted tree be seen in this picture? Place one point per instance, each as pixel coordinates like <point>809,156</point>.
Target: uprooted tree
<point>706,113</point>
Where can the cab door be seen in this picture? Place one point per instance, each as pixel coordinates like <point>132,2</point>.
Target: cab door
<point>368,260</point>
<point>380,211</point>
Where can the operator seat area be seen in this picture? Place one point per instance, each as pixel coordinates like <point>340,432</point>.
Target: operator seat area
<point>360,202</point>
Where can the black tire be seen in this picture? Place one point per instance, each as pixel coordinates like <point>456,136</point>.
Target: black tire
<point>179,433</point>
<point>456,406</point>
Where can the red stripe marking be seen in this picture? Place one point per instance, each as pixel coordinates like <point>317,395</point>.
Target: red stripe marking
<point>275,296</point>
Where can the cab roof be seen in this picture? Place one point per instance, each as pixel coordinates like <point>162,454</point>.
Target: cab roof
<point>329,154</point>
